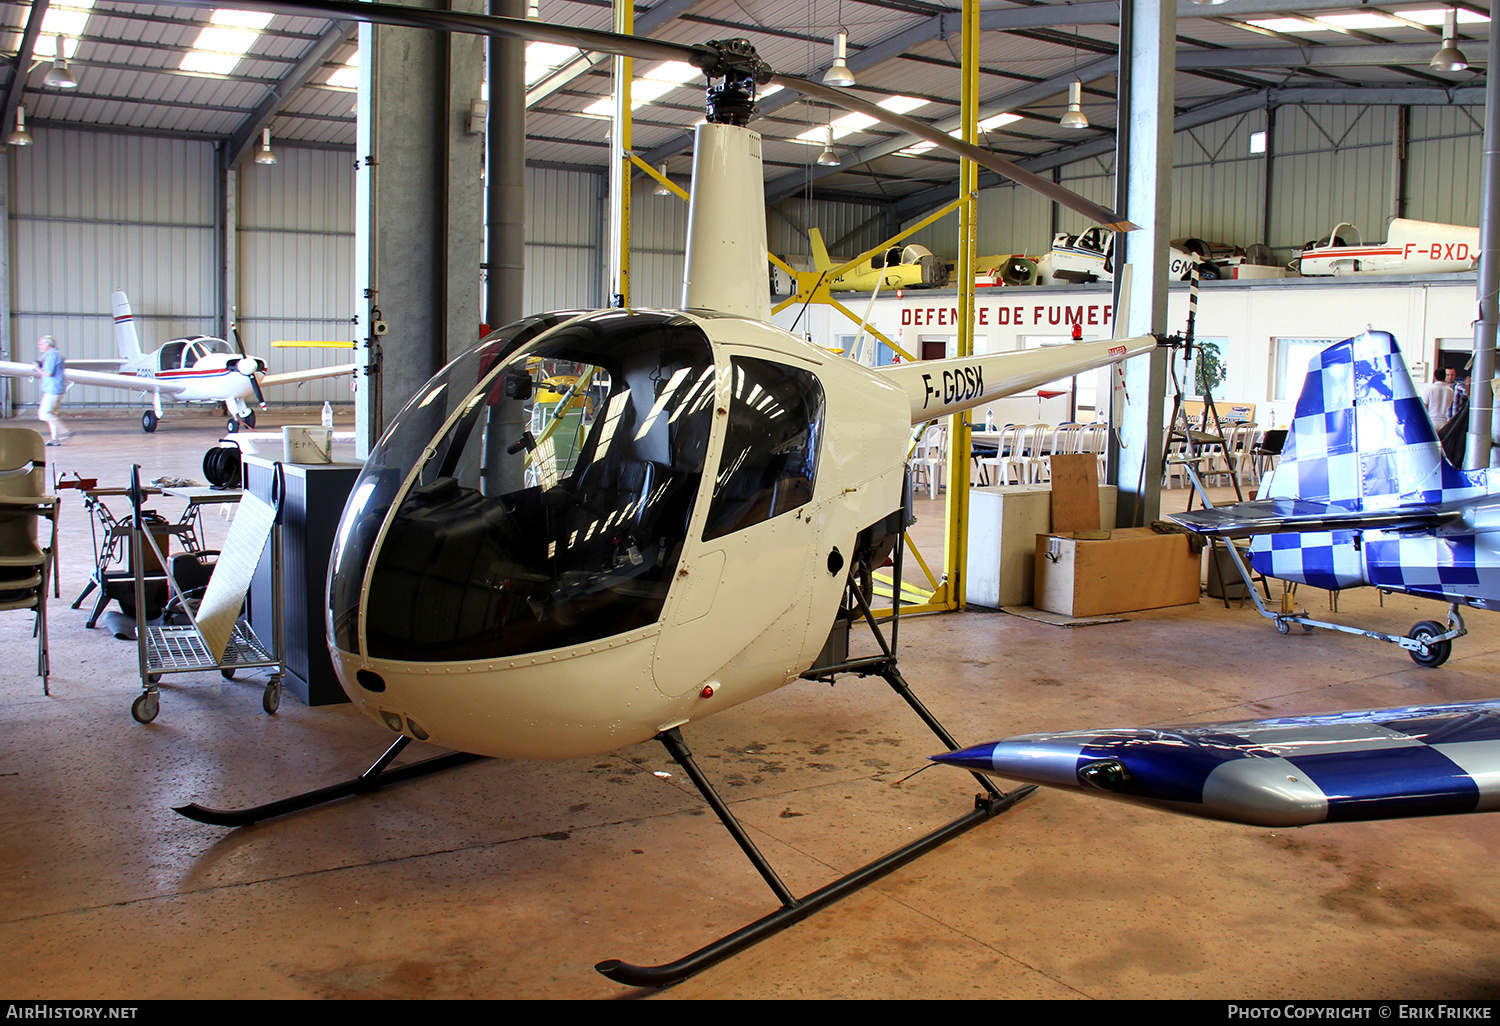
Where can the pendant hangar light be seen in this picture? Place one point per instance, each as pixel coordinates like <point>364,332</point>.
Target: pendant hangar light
<point>264,154</point>
<point>1449,58</point>
<point>828,158</point>
<point>661,189</point>
<point>58,76</point>
<point>1074,117</point>
<point>838,73</point>
<point>18,135</point>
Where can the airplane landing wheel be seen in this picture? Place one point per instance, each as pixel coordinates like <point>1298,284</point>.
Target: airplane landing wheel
<point>232,426</point>
<point>249,419</point>
<point>1437,651</point>
<point>148,421</point>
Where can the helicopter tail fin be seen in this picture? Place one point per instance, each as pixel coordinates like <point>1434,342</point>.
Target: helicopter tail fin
<point>126,342</point>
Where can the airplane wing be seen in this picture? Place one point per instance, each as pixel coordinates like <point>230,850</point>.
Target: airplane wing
<point>100,378</point>
<point>1294,771</point>
<point>294,377</point>
<point>1273,516</point>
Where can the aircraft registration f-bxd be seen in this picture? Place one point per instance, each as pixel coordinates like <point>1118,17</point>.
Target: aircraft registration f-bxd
<point>198,369</point>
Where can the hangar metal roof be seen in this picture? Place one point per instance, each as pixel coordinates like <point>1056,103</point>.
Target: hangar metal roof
<point>1232,57</point>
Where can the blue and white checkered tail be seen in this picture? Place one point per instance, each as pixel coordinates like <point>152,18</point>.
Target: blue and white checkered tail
<point>1360,439</point>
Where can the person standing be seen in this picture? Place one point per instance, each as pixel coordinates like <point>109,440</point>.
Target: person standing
<point>1438,398</point>
<point>52,383</point>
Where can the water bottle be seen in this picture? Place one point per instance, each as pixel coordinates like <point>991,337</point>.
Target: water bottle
<point>327,414</point>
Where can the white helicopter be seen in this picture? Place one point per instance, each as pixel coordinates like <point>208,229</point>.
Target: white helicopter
<point>692,547</point>
<point>197,369</point>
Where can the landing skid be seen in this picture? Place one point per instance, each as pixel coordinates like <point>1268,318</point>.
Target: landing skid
<point>793,910</point>
<point>987,805</point>
<point>377,776</point>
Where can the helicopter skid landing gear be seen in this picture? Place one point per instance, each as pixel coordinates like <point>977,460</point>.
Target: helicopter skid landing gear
<point>376,776</point>
<point>793,909</point>
<point>988,804</point>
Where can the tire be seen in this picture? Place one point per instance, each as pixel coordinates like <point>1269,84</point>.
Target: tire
<point>148,421</point>
<point>145,707</point>
<point>1437,652</point>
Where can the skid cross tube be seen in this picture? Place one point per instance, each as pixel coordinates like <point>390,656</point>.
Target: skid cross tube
<point>376,776</point>
<point>793,910</point>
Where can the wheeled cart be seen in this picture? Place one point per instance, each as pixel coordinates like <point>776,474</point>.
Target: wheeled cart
<point>1429,643</point>
<point>181,648</point>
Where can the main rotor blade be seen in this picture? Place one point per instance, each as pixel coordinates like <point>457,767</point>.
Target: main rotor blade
<point>1050,189</point>
<point>654,49</point>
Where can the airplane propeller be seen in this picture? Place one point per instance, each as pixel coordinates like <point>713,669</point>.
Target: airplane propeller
<point>250,366</point>
<point>734,60</point>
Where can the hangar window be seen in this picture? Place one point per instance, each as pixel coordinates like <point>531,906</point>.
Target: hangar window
<point>770,459</point>
<point>1292,356</point>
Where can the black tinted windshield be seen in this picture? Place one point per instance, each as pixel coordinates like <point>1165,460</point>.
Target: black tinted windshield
<point>619,410</point>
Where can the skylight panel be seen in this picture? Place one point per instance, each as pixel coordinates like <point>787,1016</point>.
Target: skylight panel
<point>68,19</point>
<point>902,104</point>
<point>989,124</point>
<point>224,41</point>
<point>1366,20</point>
<point>1286,25</point>
<point>544,58</point>
<point>1434,16</point>
<point>347,76</point>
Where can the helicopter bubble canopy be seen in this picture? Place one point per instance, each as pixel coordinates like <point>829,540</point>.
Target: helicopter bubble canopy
<point>475,563</point>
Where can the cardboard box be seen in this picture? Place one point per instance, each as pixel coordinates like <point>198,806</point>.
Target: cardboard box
<point>1004,521</point>
<point>1135,568</point>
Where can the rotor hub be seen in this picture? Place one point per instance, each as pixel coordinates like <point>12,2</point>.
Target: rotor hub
<point>737,66</point>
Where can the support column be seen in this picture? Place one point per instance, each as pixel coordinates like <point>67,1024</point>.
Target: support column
<point>619,167</point>
<point>1484,426</point>
<point>419,210</point>
<point>505,235</point>
<point>1144,167</point>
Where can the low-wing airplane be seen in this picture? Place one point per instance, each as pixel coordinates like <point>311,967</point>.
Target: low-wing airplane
<point>1089,256</point>
<point>197,369</point>
<point>896,267</point>
<point>1362,496</point>
<point>1285,772</point>
<point>1420,247</point>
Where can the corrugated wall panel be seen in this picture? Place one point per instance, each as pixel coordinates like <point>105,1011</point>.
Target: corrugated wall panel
<point>564,248</point>
<point>92,212</point>
<point>1445,155</point>
<point>296,258</point>
<point>1329,164</point>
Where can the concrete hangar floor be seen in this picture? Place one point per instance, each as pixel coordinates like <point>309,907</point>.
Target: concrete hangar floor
<point>511,879</point>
